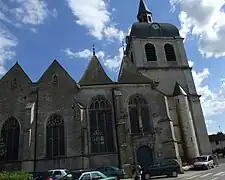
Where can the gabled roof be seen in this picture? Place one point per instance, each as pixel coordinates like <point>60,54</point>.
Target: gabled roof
<point>18,68</point>
<point>178,90</point>
<point>129,74</point>
<point>94,74</point>
<point>54,67</point>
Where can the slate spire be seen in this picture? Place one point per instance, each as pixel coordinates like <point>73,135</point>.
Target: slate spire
<point>129,74</point>
<point>178,90</point>
<point>94,74</point>
<point>144,15</point>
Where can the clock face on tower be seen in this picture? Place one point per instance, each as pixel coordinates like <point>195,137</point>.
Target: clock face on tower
<point>155,26</point>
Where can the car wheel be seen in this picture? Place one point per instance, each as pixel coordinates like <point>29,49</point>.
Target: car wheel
<point>117,177</point>
<point>174,174</point>
<point>147,176</point>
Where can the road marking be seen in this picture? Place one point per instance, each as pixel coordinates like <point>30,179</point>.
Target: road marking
<point>218,174</point>
<point>215,178</point>
<point>192,177</point>
<point>205,175</point>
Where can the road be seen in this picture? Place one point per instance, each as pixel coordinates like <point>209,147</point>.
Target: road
<point>217,173</point>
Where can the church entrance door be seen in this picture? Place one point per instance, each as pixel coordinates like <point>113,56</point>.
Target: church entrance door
<point>144,156</point>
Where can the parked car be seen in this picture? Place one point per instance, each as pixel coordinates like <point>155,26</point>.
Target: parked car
<point>60,174</point>
<point>112,171</point>
<point>92,175</point>
<point>164,167</point>
<point>204,162</point>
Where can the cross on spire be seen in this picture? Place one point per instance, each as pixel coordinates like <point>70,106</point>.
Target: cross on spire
<point>93,49</point>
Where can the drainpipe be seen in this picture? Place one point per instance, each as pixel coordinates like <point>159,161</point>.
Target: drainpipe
<point>116,131</point>
<point>35,131</point>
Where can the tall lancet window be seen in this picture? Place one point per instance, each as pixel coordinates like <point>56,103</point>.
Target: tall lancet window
<point>10,134</point>
<point>139,114</point>
<point>150,52</point>
<point>101,126</point>
<point>55,136</point>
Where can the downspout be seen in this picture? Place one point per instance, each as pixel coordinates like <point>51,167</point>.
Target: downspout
<point>116,131</point>
<point>36,124</point>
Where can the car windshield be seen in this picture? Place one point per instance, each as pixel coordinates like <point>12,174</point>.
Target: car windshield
<point>113,168</point>
<point>202,158</point>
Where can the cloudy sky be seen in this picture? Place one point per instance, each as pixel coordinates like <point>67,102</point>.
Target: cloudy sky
<point>34,32</point>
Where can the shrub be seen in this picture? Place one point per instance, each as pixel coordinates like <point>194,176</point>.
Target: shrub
<point>15,176</point>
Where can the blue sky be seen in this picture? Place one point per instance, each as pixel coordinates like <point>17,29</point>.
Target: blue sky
<point>35,32</point>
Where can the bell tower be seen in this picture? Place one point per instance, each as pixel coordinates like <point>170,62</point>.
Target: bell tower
<point>157,50</point>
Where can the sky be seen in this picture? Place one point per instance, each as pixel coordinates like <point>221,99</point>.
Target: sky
<point>35,32</point>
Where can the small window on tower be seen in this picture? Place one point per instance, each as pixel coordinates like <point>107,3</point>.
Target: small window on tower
<point>170,53</point>
<point>150,52</point>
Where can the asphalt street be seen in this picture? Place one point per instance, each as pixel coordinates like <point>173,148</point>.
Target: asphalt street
<point>218,173</point>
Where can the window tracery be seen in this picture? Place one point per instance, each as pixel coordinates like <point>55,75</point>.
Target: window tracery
<point>55,136</point>
<point>139,114</point>
<point>101,126</point>
<point>10,136</point>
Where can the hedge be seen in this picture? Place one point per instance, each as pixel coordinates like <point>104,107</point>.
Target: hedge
<point>15,176</point>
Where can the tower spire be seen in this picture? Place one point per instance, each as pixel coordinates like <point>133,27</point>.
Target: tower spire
<point>93,49</point>
<point>144,15</point>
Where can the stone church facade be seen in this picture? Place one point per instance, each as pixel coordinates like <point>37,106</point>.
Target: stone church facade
<point>153,110</point>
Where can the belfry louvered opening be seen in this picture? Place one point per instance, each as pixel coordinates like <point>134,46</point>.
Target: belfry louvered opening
<point>150,52</point>
<point>170,53</point>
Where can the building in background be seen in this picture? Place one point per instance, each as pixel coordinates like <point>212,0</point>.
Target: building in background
<point>217,142</point>
<point>153,110</point>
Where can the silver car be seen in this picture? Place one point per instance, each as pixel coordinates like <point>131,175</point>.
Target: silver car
<point>204,162</point>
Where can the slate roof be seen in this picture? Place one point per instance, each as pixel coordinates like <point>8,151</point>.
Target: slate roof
<point>145,30</point>
<point>95,74</point>
<point>18,68</point>
<point>178,90</point>
<point>129,74</point>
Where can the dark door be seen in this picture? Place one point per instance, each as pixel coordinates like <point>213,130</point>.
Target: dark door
<point>144,156</point>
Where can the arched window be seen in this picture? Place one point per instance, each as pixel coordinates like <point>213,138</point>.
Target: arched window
<point>55,138</point>
<point>150,52</point>
<point>139,114</point>
<point>101,126</point>
<point>10,134</point>
<point>170,53</point>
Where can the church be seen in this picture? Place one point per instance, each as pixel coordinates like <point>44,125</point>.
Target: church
<point>151,112</point>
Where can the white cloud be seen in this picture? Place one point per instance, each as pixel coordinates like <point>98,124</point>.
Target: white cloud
<point>7,46</point>
<point>84,54</point>
<point>209,122</point>
<point>32,12</point>
<point>18,13</point>
<point>213,102</point>
<point>206,20</point>
<point>111,62</point>
<point>93,14</point>
<point>2,70</point>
